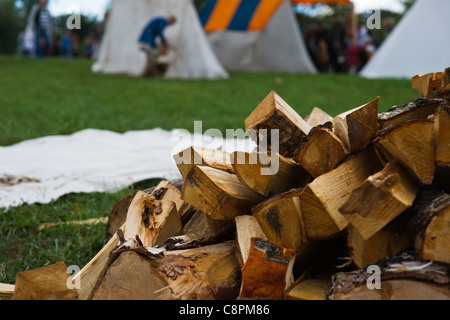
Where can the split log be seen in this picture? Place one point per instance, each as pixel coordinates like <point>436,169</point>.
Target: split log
<point>154,221</point>
<point>218,193</point>
<point>118,214</point>
<point>203,273</point>
<point>412,144</point>
<point>281,220</point>
<point>267,271</point>
<point>6,291</point>
<point>428,85</point>
<point>314,288</point>
<point>318,117</point>
<point>442,136</point>
<point>142,220</point>
<point>192,156</point>
<point>322,151</point>
<point>168,191</point>
<point>382,244</point>
<point>446,85</point>
<point>268,174</point>
<point>90,273</point>
<point>381,198</point>
<point>321,199</point>
<point>274,113</point>
<point>420,108</point>
<point>402,277</point>
<point>359,126</point>
<point>46,283</point>
<point>201,227</point>
<point>426,222</point>
<point>247,227</point>
<point>442,148</point>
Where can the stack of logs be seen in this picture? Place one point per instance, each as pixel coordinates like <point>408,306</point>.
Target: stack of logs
<point>358,198</point>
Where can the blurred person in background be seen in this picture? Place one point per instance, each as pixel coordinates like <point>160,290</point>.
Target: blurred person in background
<point>67,45</point>
<point>41,22</point>
<point>153,42</point>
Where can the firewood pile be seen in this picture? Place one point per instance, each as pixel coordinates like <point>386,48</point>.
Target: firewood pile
<point>357,207</point>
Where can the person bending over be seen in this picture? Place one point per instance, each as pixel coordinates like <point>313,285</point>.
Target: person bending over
<point>153,42</point>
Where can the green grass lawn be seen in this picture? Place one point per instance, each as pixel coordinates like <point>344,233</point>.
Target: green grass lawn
<point>59,96</point>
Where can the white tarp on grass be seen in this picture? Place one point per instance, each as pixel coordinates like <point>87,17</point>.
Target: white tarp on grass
<point>42,170</point>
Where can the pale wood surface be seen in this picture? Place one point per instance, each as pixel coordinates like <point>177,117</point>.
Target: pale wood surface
<point>412,144</point>
<point>218,193</point>
<point>318,117</point>
<point>321,199</point>
<point>192,156</point>
<point>279,175</point>
<point>358,126</point>
<point>321,152</point>
<point>380,198</point>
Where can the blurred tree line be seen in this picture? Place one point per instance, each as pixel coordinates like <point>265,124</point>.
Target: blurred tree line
<point>13,20</point>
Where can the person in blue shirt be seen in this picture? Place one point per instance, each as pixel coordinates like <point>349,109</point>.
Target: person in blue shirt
<point>153,31</point>
<point>153,42</point>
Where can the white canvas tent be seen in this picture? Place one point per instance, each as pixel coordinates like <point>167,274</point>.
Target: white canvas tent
<point>279,47</point>
<point>419,44</point>
<point>190,56</point>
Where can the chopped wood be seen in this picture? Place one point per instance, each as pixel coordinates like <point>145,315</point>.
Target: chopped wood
<point>268,174</point>
<point>442,136</point>
<point>322,151</point>
<point>90,273</point>
<point>446,79</point>
<point>426,222</point>
<point>46,283</point>
<point>267,271</point>
<point>381,198</point>
<point>428,85</point>
<point>433,242</point>
<point>247,227</point>
<point>6,291</point>
<point>358,126</point>
<point>204,273</point>
<point>118,213</point>
<point>382,244</point>
<point>218,193</point>
<point>446,85</point>
<point>274,113</point>
<point>420,108</point>
<point>314,288</point>
<point>168,191</point>
<point>402,277</point>
<point>117,216</point>
<point>412,144</point>
<point>192,156</point>
<point>318,117</point>
<point>281,220</point>
<point>321,199</point>
<point>154,221</point>
<point>201,227</point>
<point>337,204</point>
